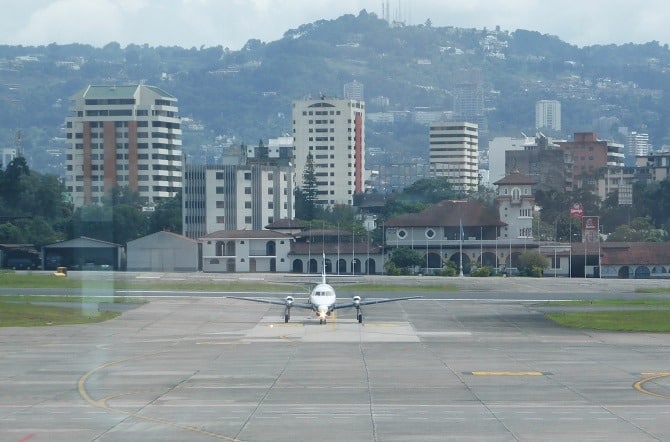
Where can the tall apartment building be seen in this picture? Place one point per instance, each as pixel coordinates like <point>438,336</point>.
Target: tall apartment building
<point>548,115</point>
<point>592,158</point>
<point>469,98</point>
<point>637,145</point>
<point>235,197</point>
<point>123,136</point>
<point>354,91</point>
<point>332,131</point>
<point>454,154</point>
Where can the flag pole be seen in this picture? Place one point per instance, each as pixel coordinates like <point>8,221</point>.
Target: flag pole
<point>460,254</point>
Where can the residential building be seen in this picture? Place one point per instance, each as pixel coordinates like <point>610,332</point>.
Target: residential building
<point>637,145</point>
<point>453,152</point>
<point>332,131</point>
<point>656,165</point>
<point>544,162</point>
<point>469,98</point>
<point>278,151</point>
<point>231,251</point>
<point>548,115</point>
<point>354,91</point>
<point>235,197</point>
<point>591,158</point>
<point>123,136</point>
<point>498,147</point>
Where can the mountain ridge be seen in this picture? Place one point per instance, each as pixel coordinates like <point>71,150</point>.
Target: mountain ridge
<point>245,95</point>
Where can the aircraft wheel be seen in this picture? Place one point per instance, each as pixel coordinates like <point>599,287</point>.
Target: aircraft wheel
<point>360,318</point>
<point>286,318</point>
<point>321,321</point>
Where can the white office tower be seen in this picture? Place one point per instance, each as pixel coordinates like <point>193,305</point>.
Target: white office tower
<point>637,145</point>
<point>332,131</point>
<point>454,154</point>
<point>548,115</point>
<point>235,197</point>
<point>123,136</point>
<point>354,91</point>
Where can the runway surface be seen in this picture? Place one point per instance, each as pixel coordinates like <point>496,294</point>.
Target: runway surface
<point>204,368</point>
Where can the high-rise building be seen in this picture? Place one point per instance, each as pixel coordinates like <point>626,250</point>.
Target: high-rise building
<point>637,145</point>
<point>454,154</point>
<point>235,197</point>
<point>592,158</point>
<point>469,98</point>
<point>354,91</point>
<point>332,131</point>
<point>123,136</point>
<point>548,115</point>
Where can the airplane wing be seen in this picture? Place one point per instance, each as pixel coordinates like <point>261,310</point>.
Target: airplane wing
<point>373,301</point>
<point>276,301</point>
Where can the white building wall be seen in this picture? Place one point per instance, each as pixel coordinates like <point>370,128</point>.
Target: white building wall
<point>453,150</point>
<point>326,128</point>
<point>497,148</point>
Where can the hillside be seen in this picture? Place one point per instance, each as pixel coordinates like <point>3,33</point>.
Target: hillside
<point>245,95</point>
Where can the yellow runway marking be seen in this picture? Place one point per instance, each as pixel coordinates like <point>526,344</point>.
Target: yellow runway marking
<point>282,324</point>
<point>507,373</point>
<point>639,385</point>
<point>221,343</point>
<point>381,324</point>
<point>102,403</point>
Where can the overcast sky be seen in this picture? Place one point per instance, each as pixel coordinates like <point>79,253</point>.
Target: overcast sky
<point>231,23</point>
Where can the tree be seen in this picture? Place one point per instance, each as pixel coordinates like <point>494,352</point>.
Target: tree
<point>405,258</point>
<point>532,263</point>
<point>167,215</point>
<point>306,197</point>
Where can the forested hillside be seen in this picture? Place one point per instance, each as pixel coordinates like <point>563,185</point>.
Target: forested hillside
<point>245,95</point>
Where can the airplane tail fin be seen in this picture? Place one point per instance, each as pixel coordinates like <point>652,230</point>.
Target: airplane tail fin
<point>323,269</point>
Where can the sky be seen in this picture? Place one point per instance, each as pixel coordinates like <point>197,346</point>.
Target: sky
<point>230,23</point>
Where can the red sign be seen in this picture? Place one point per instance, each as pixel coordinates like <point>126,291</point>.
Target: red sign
<point>576,211</point>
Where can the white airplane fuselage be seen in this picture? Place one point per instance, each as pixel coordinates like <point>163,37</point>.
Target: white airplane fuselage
<point>323,298</point>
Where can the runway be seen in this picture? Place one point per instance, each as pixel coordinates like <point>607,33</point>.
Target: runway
<point>203,368</point>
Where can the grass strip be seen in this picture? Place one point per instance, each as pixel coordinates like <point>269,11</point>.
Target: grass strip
<point>14,314</point>
<point>619,320</point>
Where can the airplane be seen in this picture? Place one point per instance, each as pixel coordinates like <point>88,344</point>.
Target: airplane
<point>323,301</point>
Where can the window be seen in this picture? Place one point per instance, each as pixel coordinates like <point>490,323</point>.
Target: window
<point>402,234</point>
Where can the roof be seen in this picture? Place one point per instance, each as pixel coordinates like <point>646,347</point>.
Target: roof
<point>286,223</point>
<point>82,242</point>
<point>331,248</point>
<point>633,253</point>
<point>449,213</point>
<point>515,177</point>
<point>246,234</point>
<point>123,91</point>
<point>163,233</point>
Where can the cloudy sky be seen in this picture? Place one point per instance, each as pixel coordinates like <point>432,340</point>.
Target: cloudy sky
<point>231,23</point>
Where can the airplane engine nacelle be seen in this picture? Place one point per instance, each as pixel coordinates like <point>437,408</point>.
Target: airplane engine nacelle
<point>289,301</point>
<point>357,301</point>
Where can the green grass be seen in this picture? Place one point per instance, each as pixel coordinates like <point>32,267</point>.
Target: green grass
<point>625,315</point>
<point>25,314</point>
<point>633,302</point>
<point>395,288</point>
<point>626,320</point>
<point>653,290</point>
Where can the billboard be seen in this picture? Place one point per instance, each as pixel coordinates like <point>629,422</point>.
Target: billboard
<point>590,229</point>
